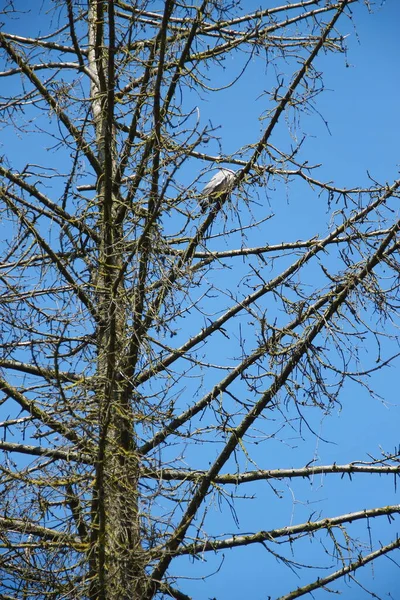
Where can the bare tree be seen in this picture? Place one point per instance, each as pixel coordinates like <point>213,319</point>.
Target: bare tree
<point>148,348</point>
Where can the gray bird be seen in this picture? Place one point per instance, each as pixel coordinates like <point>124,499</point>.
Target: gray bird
<point>217,189</point>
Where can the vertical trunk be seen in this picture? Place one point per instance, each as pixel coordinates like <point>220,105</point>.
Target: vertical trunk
<point>116,570</point>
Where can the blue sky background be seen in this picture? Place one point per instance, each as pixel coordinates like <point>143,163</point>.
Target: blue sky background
<point>361,107</point>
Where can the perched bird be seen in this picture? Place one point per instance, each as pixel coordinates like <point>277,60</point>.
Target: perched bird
<point>217,189</point>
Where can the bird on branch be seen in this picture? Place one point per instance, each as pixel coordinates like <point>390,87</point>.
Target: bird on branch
<point>217,189</point>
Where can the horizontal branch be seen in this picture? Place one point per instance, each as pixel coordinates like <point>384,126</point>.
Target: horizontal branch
<point>254,16</point>
<point>48,374</point>
<point>290,531</point>
<point>237,37</point>
<point>265,474</point>
<point>63,454</point>
<point>257,34</point>
<point>37,42</point>
<point>41,66</point>
<point>299,245</point>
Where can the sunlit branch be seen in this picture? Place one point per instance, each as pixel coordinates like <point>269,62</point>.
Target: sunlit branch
<point>261,475</point>
<point>45,372</point>
<point>229,46</point>
<point>58,454</point>
<point>41,66</point>
<point>274,248</point>
<point>39,42</point>
<point>286,532</point>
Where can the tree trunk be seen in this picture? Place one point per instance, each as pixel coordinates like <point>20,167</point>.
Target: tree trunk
<point>117,563</point>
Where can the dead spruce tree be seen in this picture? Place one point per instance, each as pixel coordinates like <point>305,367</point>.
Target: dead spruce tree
<point>150,350</point>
